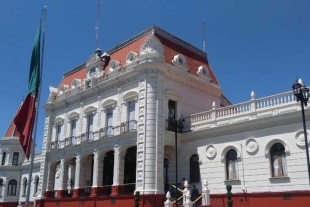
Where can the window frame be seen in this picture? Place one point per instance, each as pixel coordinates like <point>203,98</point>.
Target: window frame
<point>194,169</point>
<point>25,183</point>
<point>12,187</point>
<point>3,158</point>
<point>235,163</point>
<point>279,155</point>
<point>15,158</point>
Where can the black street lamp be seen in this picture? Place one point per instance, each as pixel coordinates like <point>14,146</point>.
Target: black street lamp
<point>302,95</point>
<point>177,126</point>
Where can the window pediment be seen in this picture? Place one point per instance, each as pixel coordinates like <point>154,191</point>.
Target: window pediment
<point>109,103</point>
<point>274,141</point>
<point>226,149</point>
<point>73,115</point>
<point>59,120</point>
<point>90,109</point>
<point>170,94</point>
<point>130,96</point>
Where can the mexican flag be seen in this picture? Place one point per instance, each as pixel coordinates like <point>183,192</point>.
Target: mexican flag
<point>25,118</point>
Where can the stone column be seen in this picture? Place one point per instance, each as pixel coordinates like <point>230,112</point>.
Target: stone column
<point>64,166</point>
<point>76,190</point>
<point>95,184</point>
<point>116,172</point>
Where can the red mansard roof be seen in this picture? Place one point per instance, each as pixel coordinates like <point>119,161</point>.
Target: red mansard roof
<point>12,131</point>
<point>172,46</point>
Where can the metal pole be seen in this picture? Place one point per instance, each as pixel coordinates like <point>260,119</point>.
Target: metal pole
<point>176,162</point>
<point>306,139</point>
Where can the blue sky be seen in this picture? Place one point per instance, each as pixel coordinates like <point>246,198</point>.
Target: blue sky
<point>252,45</point>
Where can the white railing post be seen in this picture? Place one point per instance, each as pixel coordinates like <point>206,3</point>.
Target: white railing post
<point>213,113</point>
<point>185,190</point>
<point>253,102</point>
<point>168,202</point>
<point>205,194</point>
<point>188,202</point>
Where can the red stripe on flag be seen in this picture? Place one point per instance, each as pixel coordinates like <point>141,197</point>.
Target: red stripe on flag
<point>24,121</point>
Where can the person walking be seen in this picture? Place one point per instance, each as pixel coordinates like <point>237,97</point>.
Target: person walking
<point>195,195</point>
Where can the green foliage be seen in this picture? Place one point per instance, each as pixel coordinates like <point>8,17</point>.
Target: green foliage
<point>229,195</point>
<point>228,188</point>
<point>137,199</point>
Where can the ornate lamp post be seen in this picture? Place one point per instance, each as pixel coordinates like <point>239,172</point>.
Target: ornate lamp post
<point>302,95</point>
<point>177,125</point>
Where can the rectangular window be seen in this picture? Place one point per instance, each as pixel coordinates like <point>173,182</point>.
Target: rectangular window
<point>15,158</point>
<point>3,158</point>
<point>172,109</point>
<point>73,131</point>
<point>90,123</point>
<point>171,115</point>
<point>73,128</point>
<point>58,132</point>
<point>110,122</point>
<point>131,115</point>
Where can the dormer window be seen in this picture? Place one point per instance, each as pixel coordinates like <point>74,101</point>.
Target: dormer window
<point>92,72</point>
<point>203,72</point>
<point>131,57</point>
<point>114,65</point>
<point>179,59</point>
<point>63,89</point>
<point>75,83</point>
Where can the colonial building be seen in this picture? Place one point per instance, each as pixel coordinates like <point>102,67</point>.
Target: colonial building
<point>112,125</point>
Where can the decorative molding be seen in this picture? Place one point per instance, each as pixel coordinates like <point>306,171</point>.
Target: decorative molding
<point>227,148</point>
<point>89,110</point>
<point>170,94</point>
<point>274,141</point>
<point>58,120</point>
<point>130,96</point>
<point>109,103</point>
<point>300,138</point>
<point>251,145</point>
<point>73,115</point>
<point>211,151</point>
<point>152,45</point>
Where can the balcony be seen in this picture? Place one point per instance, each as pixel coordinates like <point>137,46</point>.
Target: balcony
<point>108,131</point>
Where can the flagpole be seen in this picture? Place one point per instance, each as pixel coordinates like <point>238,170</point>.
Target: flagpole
<point>43,17</point>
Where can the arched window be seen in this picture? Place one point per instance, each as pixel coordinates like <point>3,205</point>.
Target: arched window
<point>24,186</point>
<point>36,184</point>
<point>232,165</point>
<point>12,187</point>
<point>194,169</point>
<point>278,160</point>
<point>1,185</point>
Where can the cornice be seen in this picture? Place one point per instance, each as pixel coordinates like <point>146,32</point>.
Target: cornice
<point>250,125</point>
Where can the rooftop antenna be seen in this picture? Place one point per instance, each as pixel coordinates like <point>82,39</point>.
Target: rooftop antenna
<point>203,35</point>
<point>97,24</point>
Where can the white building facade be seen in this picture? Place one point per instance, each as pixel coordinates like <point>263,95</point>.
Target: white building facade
<point>107,133</point>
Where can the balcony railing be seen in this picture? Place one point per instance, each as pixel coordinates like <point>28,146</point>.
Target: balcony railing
<point>109,131</point>
<point>129,126</point>
<point>255,108</point>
